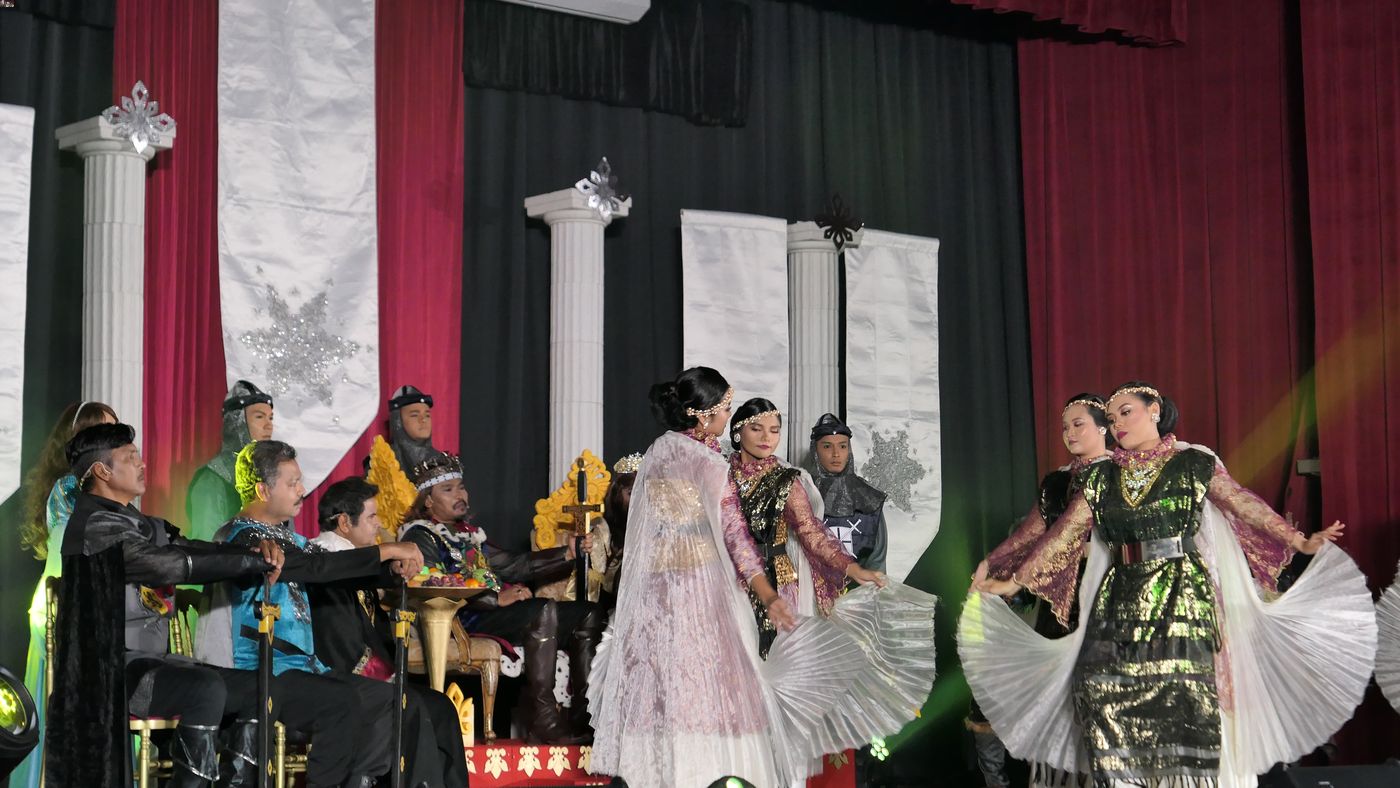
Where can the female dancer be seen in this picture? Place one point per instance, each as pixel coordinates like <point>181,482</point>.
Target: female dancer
<point>1178,674</point>
<point>777,505</point>
<point>679,695</point>
<point>49,494</point>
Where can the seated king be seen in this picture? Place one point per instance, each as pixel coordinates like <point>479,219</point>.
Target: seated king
<point>438,523</point>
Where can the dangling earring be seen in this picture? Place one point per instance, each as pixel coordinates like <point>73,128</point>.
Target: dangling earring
<point>1103,430</point>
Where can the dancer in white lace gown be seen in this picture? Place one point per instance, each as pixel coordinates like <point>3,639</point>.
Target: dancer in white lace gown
<point>679,695</point>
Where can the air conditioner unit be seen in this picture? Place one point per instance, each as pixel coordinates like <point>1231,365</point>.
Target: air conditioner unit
<point>623,11</point>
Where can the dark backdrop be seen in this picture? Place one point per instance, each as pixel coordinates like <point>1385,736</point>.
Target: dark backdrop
<point>916,127</point>
<point>63,69</point>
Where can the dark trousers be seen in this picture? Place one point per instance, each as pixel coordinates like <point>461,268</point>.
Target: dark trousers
<point>513,621</point>
<point>441,730</point>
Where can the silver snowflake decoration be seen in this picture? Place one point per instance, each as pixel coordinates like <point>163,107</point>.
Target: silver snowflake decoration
<point>139,120</point>
<point>296,348</point>
<point>892,468</point>
<point>601,189</point>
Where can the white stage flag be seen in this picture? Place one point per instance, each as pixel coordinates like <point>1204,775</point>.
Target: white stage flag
<point>892,395</point>
<point>16,167</point>
<point>734,300</point>
<point>298,274</point>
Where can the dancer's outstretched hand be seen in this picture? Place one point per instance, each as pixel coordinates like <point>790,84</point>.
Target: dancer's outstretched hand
<point>981,573</point>
<point>865,576</point>
<point>781,615</point>
<point>1313,543</point>
<point>998,587</point>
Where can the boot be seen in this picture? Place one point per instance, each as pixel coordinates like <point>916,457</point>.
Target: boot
<point>546,725</point>
<point>195,754</point>
<point>581,649</point>
<point>240,764</point>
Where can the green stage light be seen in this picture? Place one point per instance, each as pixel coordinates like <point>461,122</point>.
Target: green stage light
<point>878,750</point>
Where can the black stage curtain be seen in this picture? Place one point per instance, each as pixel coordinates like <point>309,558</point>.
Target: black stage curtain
<point>912,120</point>
<point>685,57</point>
<point>56,57</point>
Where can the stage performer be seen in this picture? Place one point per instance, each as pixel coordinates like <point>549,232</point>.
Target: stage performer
<point>776,500</point>
<point>680,696</point>
<point>1178,672</point>
<point>49,493</point>
<point>1084,431</point>
<point>439,525</point>
<point>615,507</point>
<point>353,634</point>
<point>854,507</point>
<point>389,463</point>
<point>212,497</point>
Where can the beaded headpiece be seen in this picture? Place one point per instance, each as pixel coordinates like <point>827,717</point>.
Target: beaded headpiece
<point>435,470</point>
<point>721,405</point>
<point>1148,390</point>
<point>629,464</point>
<point>1088,403</point>
<point>739,425</point>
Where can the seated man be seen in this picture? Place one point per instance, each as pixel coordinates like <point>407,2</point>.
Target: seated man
<point>269,484</point>
<point>113,633</point>
<point>353,634</point>
<point>438,524</point>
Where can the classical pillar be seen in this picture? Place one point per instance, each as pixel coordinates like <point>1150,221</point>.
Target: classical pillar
<point>814,332</point>
<point>114,263</point>
<point>575,324</point>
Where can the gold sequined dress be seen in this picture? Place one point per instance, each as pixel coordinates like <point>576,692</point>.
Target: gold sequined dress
<point>1187,668</point>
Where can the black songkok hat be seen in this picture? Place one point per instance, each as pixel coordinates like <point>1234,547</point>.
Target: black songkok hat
<point>409,395</point>
<point>828,424</point>
<point>91,443</point>
<point>244,394</point>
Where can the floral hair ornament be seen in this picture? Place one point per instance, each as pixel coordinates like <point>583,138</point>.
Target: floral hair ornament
<point>1088,403</point>
<point>721,405</point>
<point>739,425</point>
<point>1147,391</point>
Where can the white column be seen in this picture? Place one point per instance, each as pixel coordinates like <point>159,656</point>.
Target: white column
<point>575,324</point>
<point>114,263</point>
<point>814,332</point>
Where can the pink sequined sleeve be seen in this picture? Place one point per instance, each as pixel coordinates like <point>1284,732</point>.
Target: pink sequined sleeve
<point>1267,539</point>
<point>1051,569</point>
<point>1009,555</point>
<point>827,556</point>
<point>737,538</point>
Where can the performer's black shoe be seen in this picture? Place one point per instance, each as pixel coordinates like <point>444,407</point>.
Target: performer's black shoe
<point>240,764</point>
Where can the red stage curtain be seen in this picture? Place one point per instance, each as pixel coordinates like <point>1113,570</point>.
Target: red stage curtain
<point>1351,68</point>
<point>418,110</point>
<point>1160,241</point>
<point>172,45</point>
<point>1145,21</point>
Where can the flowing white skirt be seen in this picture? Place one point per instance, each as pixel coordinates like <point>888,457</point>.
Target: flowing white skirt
<point>1388,651</point>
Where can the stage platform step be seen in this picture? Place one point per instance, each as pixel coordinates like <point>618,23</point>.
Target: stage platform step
<point>514,764</point>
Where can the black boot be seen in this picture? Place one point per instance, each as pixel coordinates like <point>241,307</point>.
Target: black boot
<point>546,724</point>
<point>195,753</point>
<point>240,764</point>
<point>581,650</point>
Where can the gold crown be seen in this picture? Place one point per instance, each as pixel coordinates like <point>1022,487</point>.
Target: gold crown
<point>629,464</point>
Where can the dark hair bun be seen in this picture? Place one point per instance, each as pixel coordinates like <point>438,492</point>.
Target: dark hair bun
<point>697,388</point>
<point>667,407</point>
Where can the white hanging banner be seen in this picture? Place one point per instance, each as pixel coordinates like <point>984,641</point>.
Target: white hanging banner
<point>298,272</point>
<point>734,301</point>
<point>892,403</point>
<point>16,167</point>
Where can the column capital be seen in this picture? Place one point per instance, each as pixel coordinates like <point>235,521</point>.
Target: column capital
<point>808,237</point>
<point>570,205</point>
<point>96,135</point>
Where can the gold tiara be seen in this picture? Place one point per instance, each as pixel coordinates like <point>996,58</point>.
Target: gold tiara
<point>723,403</point>
<point>1088,403</point>
<point>739,425</point>
<point>1148,390</point>
<point>629,464</point>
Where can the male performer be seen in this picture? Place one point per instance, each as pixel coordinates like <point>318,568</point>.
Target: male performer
<point>438,524</point>
<point>353,634</point>
<point>389,463</point>
<point>113,658</point>
<point>854,508</point>
<point>212,499</point>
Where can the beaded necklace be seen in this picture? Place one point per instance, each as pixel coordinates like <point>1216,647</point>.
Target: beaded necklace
<point>1140,469</point>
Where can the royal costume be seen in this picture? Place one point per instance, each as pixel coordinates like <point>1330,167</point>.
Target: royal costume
<point>212,497</point>
<point>680,696</point>
<point>1186,665</point>
<point>391,462</point>
<point>854,508</point>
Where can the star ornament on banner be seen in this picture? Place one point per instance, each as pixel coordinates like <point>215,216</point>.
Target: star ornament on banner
<point>601,189</point>
<point>139,120</point>
<point>892,468</point>
<point>297,350</point>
